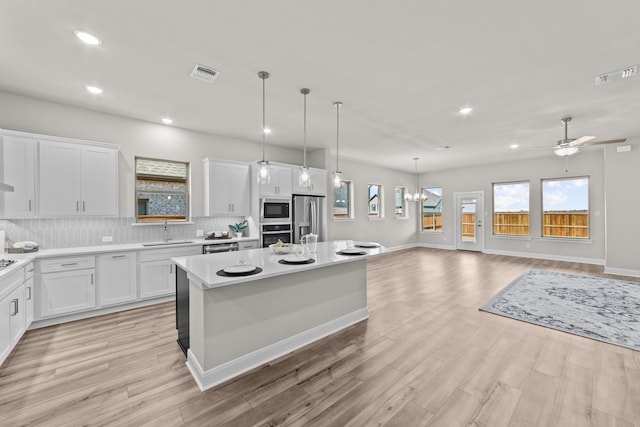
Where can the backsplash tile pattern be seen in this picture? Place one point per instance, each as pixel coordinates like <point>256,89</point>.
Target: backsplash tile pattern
<point>75,232</point>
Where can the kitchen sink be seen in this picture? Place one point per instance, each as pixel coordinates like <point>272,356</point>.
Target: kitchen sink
<point>167,243</point>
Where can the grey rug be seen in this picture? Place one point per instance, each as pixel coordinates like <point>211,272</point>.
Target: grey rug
<point>602,309</point>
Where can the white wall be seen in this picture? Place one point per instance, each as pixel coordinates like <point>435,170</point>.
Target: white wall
<point>388,231</point>
<point>481,178</point>
<point>622,176</point>
<point>136,138</point>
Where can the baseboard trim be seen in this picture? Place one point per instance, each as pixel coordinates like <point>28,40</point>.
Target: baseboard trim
<point>208,379</point>
<point>551,257</point>
<point>435,246</point>
<point>621,271</point>
<point>43,323</point>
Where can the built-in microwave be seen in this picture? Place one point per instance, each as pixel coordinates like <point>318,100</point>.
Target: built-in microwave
<point>275,210</point>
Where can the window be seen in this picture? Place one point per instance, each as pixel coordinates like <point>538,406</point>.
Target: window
<point>511,209</point>
<point>162,190</point>
<point>342,200</point>
<point>375,201</point>
<point>565,208</point>
<point>400,209</point>
<point>432,209</point>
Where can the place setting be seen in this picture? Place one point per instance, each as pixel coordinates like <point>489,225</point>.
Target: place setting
<point>297,257</point>
<point>353,250</point>
<point>239,269</point>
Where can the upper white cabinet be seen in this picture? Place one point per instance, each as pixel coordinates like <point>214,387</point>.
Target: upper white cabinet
<point>19,161</point>
<point>279,184</point>
<point>76,179</point>
<point>318,179</point>
<point>227,188</point>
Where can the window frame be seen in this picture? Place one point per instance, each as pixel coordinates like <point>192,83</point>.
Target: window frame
<point>588,210</point>
<point>186,193</point>
<point>380,205</point>
<point>493,208</point>
<point>349,202</point>
<point>439,213</point>
<point>404,211</point>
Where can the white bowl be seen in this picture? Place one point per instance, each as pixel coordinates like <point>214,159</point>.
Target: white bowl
<point>280,249</point>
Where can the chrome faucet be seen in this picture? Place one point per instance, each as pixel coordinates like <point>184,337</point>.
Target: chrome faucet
<point>166,232</point>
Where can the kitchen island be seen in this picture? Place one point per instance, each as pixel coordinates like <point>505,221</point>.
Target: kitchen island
<point>241,322</point>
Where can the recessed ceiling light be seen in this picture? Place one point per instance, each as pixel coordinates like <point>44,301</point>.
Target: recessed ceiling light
<point>443,147</point>
<point>465,110</point>
<point>167,120</point>
<point>87,38</point>
<point>514,146</point>
<point>95,90</point>
<point>267,131</point>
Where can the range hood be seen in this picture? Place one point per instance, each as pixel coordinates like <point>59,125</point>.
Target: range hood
<point>6,187</point>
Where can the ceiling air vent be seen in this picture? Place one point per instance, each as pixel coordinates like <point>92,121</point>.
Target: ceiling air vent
<point>203,73</point>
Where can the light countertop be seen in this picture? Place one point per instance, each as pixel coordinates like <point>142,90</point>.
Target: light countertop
<point>203,268</point>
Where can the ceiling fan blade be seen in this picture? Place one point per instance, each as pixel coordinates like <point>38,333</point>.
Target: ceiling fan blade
<point>580,141</point>
<point>610,141</point>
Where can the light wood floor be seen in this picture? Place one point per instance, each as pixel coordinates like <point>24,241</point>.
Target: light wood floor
<point>426,356</point>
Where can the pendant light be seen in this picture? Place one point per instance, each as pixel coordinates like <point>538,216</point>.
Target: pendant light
<point>418,195</point>
<point>264,177</point>
<point>337,175</point>
<point>304,179</point>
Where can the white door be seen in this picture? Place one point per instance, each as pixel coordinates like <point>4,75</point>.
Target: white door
<point>469,221</point>
<point>19,171</point>
<point>157,278</point>
<point>66,292</point>
<point>116,278</point>
<point>99,195</point>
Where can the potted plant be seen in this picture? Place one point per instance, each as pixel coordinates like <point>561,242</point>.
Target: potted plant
<point>237,228</point>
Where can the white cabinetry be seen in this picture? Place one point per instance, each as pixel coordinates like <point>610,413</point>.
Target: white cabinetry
<point>116,278</point>
<point>247,244</point>
<point>66,285</point>
<point>76,179</point>
<point>28,294</point>
<point>156,271</point>
<point>279,184</point>
<point>12,311</point>
<point>19,161</point>
<point>227,188</point>
<point>317,178</point>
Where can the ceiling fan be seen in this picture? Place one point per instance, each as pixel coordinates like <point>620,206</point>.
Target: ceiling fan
<point>569,146</point>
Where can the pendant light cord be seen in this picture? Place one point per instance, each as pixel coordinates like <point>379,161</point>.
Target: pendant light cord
<point>264,120</point>
<point>305,92</point>
<point>338,104</point>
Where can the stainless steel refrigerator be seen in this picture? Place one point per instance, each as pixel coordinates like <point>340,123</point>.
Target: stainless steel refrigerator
<point>309,216</point>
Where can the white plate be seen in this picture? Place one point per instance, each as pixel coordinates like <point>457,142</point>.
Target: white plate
<point>239,269</point>
<point>352,251</point>
<point>297,259</point>
<point>368,244</point>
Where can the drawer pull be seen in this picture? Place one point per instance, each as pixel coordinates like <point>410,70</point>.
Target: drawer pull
<point>118,256</point>
<point>69,264</point>
<point>29,289</point>
<point>15,306</point>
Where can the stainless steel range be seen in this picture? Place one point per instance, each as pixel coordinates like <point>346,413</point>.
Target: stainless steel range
<point>4,263</point>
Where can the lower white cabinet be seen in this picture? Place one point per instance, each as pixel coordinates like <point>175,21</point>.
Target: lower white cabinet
<point>12,311</point>
<point>116,275</point>
<point>67,285</point>
<point>157,273</point>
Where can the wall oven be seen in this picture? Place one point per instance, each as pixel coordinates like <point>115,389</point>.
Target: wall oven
<point>275,210</point>
<point>271,233</point>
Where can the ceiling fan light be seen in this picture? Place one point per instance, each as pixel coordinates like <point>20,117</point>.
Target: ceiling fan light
<point>565,151</point>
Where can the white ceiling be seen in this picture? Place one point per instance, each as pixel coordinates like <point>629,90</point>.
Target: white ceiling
<point>401,68</point>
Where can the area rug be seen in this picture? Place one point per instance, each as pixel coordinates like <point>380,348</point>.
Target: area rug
<point>602,309</point>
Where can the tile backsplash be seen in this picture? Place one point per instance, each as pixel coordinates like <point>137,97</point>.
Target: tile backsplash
<point>74,232</point>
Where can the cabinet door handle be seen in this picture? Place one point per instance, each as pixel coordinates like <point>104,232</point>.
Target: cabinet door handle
<point>15,306</point>
<point>29,205</point>
<point>69,264</point>
<point>77,206</point>
<point>233,207</point>
<point>29,289</point>
<point>118,256</point>
<point>83,206</point>
<point>170,268</point>
<point>30,270</point>
<point>92,278</point>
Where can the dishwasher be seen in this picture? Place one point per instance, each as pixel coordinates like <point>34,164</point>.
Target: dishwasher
<point>182,293</point>
<point>213,248</point>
